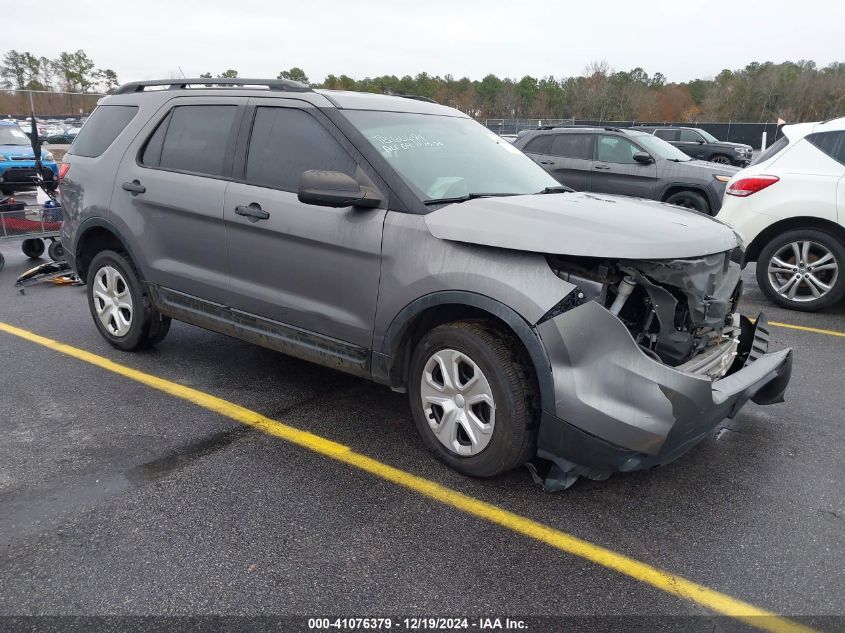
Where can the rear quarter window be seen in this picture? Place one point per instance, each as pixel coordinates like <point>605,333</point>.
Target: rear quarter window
<point>831,143</point>
<point>101,129</point>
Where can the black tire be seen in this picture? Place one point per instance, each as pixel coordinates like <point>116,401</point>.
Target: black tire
<point>804,301</point>
<point>721,159</point>
<point>513,386</point>
<point>147,326</point>
<point>2,261</point>
<point>33,247</point>
<point>690,200</point>
<point>56,251</point>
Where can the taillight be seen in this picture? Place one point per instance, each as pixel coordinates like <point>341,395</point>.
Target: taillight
<point>746,186</point>
<point>63,170</point>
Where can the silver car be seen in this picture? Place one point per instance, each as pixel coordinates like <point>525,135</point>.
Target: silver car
<point>401,241</point>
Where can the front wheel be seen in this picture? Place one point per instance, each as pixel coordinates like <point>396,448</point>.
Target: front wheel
<point>802,270</point>
<point>690,200</point>
<point>721,160</point>
<point>120,306</point>
<point>473,398</point>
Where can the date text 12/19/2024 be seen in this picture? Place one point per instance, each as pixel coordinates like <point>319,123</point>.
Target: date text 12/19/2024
<point>417,624</point>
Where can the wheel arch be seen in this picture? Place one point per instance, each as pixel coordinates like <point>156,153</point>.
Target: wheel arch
<point>753,250</point>
<point>390,363</point>
<point>678,187</point>
<point>97,235</point>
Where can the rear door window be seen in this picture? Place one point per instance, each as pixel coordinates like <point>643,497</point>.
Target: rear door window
<point>539,145</point>
<point>101,129</point>
<point>192,139</point>
<point>573,146</point>
<point>286,142</point>
<point>831,143</point>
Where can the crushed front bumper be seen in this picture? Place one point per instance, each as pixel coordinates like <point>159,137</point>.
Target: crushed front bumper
<point>616,409</point>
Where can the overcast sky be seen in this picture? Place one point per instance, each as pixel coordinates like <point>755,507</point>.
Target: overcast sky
<point>152,38</point>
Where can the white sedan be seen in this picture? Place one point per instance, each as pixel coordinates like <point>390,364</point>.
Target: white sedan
<point>789,206</point>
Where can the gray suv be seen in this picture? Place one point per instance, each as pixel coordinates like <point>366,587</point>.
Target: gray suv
<point>627,162</point>
<point>401,241</point>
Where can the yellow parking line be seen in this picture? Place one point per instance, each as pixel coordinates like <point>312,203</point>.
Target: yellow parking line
<point>804,328</point>
<point>643,572</point>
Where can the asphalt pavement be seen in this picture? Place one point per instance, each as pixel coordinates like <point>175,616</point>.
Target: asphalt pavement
<point>118,499</point>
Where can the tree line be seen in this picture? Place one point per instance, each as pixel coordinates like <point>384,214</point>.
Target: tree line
<point>760,92</point>
<point>793,91</point>
<point>69,72</point>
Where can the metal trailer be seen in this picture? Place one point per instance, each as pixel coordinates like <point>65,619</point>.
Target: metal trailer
<point>32,226</point>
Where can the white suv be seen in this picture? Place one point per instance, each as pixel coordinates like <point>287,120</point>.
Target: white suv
<point>790,208</point>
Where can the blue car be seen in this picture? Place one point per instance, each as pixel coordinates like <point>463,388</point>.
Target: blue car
<point>17,162</point>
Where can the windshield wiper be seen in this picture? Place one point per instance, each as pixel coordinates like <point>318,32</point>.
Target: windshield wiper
<point>557,189</point>
<point>469,196</point>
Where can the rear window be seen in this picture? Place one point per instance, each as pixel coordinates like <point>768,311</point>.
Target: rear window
<point>540,145</point>
<point>101,129</point>
<point>191,139</point>
<point>773,149</point>
<point>831,143</point>
<point>573,146</point>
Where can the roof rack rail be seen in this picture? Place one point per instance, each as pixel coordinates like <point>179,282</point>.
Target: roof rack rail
<point>414,97</point>
<point>211,82</point>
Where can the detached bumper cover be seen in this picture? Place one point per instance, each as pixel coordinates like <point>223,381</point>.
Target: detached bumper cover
<point>616,409</point>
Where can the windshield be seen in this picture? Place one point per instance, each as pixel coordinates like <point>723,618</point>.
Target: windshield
<point>707,136</point>
<point>449,157</point>
<point>12,135</point>
<point>659,148</point>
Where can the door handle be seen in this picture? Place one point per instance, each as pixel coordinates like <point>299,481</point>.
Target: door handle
<point>547,162</point>
<point>135,187</point>
<point>602,166</point>
<point>252,212</point>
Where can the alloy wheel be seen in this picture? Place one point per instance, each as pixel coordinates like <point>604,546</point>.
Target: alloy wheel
<point>721,160</point>
<point>113,301</point>
<point>458,402</point>
<point>803,271</point>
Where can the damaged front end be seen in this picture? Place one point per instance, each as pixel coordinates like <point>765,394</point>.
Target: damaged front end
<point>647,357</point>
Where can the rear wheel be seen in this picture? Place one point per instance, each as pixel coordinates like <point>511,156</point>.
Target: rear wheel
<point>473,398</point>
<point>721,159</point>
<point>690,200</point>
<point>33,247</point>
<point>120,306</point>
<point>802,270</point>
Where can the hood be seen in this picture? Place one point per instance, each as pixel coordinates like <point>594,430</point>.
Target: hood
<point>20,151</point>
<point>732,144</point>
<point>583,224</point>
<point>704,168</point>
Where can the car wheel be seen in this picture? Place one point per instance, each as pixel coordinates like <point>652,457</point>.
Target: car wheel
<point>473,399</point>
<point>2,261</point>
<point>803,270</point>
<point>690,200</point>
<point>56,251</point>
<point>33,247</point>
<point>721,159</point>
<point>120,306</point>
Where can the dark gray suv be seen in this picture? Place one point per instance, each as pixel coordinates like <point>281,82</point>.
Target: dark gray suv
<point>630,163</point>
<point>401,241</point>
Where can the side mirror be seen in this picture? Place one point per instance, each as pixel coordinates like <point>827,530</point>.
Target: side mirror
<point>643,157</point>
<point>700,141</point>
<point>334,189</point>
